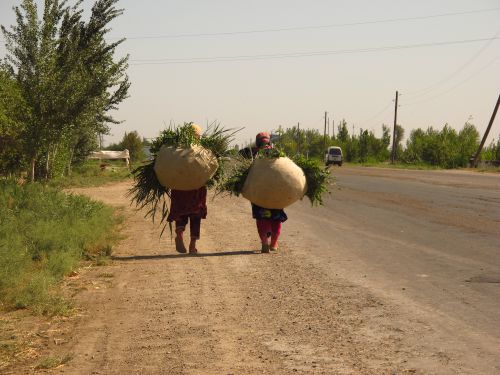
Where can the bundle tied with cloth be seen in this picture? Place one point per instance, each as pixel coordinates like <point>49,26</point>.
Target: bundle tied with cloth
<point>183,159</point>
<point>272,180</point>
<point>185,168</point>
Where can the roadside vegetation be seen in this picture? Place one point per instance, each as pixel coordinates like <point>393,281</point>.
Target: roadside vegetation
<point>93,173</point>
<point>44,235</point>
<point>60,81</point>
<point>424,149</point>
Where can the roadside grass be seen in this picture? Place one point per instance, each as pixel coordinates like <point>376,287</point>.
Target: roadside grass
<point>93,173</point>
<point>488,169</point>
<point>44,234</point>
<point>9,343</point>
<point>52,362</point>
<point>419,167</point>
<point>396,165</point>
<point>17,343</point>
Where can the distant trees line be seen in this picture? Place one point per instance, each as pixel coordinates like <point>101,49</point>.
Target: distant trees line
<point>444,148</point>
<point>58,84</point>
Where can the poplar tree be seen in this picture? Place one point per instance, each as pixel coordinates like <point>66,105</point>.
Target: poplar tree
<point>13,115</point>
<point>67,74</point>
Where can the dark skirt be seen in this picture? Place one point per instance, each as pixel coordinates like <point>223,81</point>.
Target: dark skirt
<point>268,213</point>
<point>188,203</point>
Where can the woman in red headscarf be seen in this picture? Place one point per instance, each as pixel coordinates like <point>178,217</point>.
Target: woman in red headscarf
<point>268,220</point>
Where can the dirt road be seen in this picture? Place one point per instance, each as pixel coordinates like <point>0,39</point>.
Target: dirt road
<point>427,242</point>
<point>317,306</point>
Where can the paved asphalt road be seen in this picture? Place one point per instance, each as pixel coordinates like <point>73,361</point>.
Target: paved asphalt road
<point>427,241</point>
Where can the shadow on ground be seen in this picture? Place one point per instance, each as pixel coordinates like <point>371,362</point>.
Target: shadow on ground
<point>173,256</point>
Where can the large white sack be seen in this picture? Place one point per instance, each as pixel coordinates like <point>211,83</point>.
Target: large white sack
<point>185,168</point>
<point>274,183</point>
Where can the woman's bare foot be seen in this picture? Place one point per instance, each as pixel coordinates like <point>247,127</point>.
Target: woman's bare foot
<point>192,247</point>
<point>179,243</point>
<point>264,248</point>
<point>274,246</point>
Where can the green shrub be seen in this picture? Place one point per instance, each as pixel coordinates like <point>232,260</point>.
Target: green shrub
<point>93,173</point>
<point>43,235</point>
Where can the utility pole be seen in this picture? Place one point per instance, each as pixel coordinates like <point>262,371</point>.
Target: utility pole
<point>476,157</point>
<point>333,128</point>
<point>393,153</point>
<point>324,133</point>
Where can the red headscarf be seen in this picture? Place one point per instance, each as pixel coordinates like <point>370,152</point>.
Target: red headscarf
<point>262,139</point>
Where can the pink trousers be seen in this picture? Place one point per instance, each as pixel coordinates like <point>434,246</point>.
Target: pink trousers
<point>267,227</point>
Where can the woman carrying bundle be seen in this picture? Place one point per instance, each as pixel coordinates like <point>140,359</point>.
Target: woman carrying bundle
<point>271,182</point>
<point>268,220</point>
<point>188,205</point>
<point>184,163</point>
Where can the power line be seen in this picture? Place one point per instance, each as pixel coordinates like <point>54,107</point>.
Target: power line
<point>418,93</point>
<point>373,117</point>
<point>299,28</point>
<point>484,67</point>
<point>335,25</point>
<point>191,60</point>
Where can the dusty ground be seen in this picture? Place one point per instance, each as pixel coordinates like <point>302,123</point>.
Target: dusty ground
<point>229,310</point>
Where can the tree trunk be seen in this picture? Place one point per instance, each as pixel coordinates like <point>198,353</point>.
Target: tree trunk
<point>32,171</point>
<point>54,156</point>
<point>47,164</point>
<point>70,160</point>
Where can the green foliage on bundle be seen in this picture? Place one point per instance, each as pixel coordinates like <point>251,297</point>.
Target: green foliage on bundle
<point>233,184</point>
<point>317,176</point>
<point>183,137</point>
<point>270,153</point>
<point>147,192</point>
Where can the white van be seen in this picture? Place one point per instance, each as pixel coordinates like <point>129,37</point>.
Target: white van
<point>333,156</point>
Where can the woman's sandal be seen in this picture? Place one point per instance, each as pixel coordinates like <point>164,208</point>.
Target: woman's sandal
<point>179,245</point>
<point>265,248</point>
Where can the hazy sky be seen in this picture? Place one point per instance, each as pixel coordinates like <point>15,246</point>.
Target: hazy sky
<point>177,74</point>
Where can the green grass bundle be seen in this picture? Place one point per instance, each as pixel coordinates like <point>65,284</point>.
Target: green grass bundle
<point>149,193</point>
<point>236,177</point>
<point>317,176</point>
<point>277,181</point>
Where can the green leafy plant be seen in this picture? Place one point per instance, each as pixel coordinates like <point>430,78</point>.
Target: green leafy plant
<point>233,184</point>
<point>44,234</point>
<point>317,176</point>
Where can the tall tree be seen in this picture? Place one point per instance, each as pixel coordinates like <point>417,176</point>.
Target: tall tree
<point>343,133</point>
<point>67,75</point>
<point>13,115</point>
<point>133,143</point>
